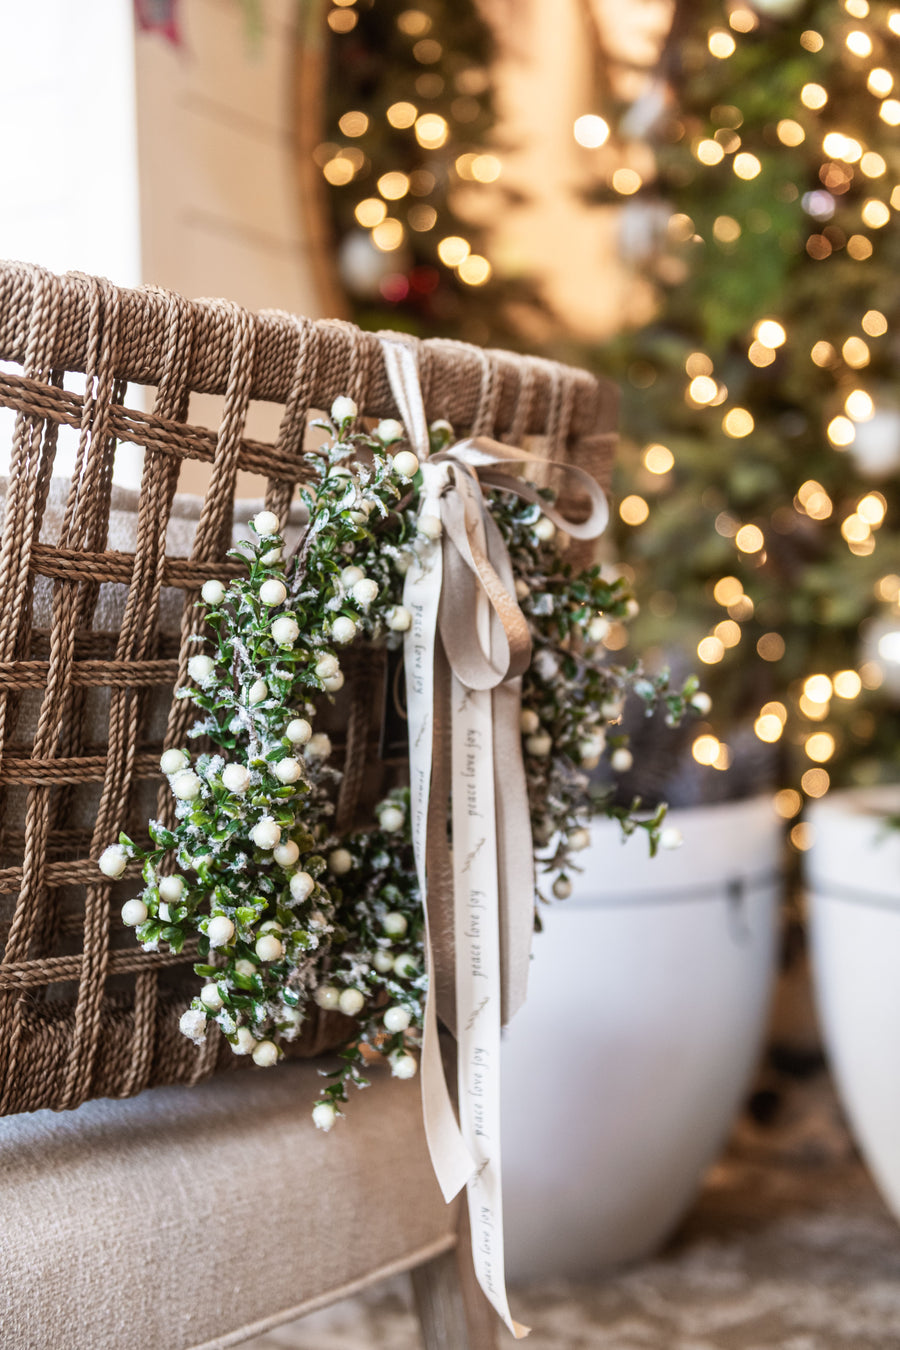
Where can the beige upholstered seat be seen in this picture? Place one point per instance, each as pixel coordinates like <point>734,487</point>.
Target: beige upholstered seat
<point>198,1217</point>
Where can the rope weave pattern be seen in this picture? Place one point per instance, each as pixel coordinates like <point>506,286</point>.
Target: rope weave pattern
<point>83,1011</point>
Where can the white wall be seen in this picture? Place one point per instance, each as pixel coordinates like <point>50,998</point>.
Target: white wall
<point>147,163</point>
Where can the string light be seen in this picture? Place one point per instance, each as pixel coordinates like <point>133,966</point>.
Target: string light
<point>634,510</point>
<point>880,82</point>
<point>874,323</point>
<point>627,182</point>
<point>819,746</point>
<point>658,459</point>
<point>745,165</point>
<point>789,132</point>
<point>768,727</point>
<point>847,684</point>
<point>770,333</point>
<point>431,131</point>
<point>841,432</point>
<point>727,590</point>
<point>771,646</point>
<point>591,131</point>
<point>873,165</point>
<point>709,152</point>
<point>889,112</point>
<point>474,270</point>
<point>453,249</point>
<point>388,236</point>
<point>749,539</point>
<point>801,836</point>
<point>818,688</point>
<point>872,508</point>
<point>856,353</point>
<point>710,650</point>
<point>813,96</point>
<point>721,43</point>
<point>370,212</point>
<point>875,213</point>
<point>737,423</point>
<point>354,124</point>
<point>705,749</point>
<point>859,43</point>
<point>811,41</point>
<point>815,782</point>
<point>726,230</point>
<point>402,115</point>
<point>787,803</point>
<point>393,185</point>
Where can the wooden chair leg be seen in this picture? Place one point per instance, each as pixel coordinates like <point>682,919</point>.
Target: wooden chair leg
<point>453,1312</point>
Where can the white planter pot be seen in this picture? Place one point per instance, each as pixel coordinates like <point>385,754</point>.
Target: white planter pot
<point>853,879</point>
<point>648,996</point>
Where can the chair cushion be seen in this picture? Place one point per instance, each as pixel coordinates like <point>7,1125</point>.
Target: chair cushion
<point>197,1217</point>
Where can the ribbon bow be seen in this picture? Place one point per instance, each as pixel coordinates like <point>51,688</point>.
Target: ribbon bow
<point>464,654</point>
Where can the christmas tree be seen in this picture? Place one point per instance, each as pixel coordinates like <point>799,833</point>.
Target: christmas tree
<point>760,473</point>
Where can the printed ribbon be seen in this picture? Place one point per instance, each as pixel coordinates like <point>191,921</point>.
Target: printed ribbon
<point>465,652</point>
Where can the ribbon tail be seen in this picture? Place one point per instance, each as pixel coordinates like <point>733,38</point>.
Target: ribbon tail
<point>515,850</point>
<point>440,867</point>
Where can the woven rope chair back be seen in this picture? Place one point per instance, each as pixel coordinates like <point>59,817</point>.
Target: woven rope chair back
<point>96,620</point>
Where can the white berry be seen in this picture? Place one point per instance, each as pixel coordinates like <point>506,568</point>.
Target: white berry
<point>340,861</point>
<point>562,888</point>
<point>134,912</point>
<point>430,526</point>
<point>383,961</point>
<point>364,591</point>
<point>186,785</point>
<point>671,837</point>
<point>269,947</point>
<point>272,556</point>
<point>236,777</point>
<point>343,409</point>
<point>319,746</point>
<point>392,819</point>
<point>273,592</point>
<point>113,861</point>
<point>258,692</point>
<point>163,912</point>
<point>621,759</point>
<point>265,1054</point>
<point>406,966</point>
<point>285,630</point>
<point>301,885</point>
<point>578,839</point>
<point>701,702</point>
<point>326,666</point>
<point>396,1019</point>
<point>394,924</point>
<point>632,608</point>
<point>220,931</point>
<point>245,967</point>
<point>201,669</point>
<point>343,630</point>
<point>171,888</point>
<point>351,1002</point>
<point>529,722</point>
<point>333,683</point>
<point>545,529</point>
<point>173,761</point>
<point>265,523</point>
<point>389,430</point>
<point>298,731</point>
<point>539,745</point>
<point>406,464</point>
<point>211,998</point>
<point>399,619</point>
<point>327,997</point>
<point>245,1041</point>
<point>598,629</point>
<point>213,592</point>
<point>403,1065</point>
<point>351,575</point>
<point>266,833</point>
<point>286,854</point>
<point>193,1025</point>
<point>324,1116</point>
<point>287,770</point>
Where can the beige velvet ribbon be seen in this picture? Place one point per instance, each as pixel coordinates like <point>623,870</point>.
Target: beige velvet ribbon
<point>465,653</point>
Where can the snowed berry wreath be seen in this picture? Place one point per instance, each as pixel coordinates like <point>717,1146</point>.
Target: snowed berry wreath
<point>284,912</point>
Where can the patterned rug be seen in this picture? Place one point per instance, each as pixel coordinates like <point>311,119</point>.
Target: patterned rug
<point>788,1248</point>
